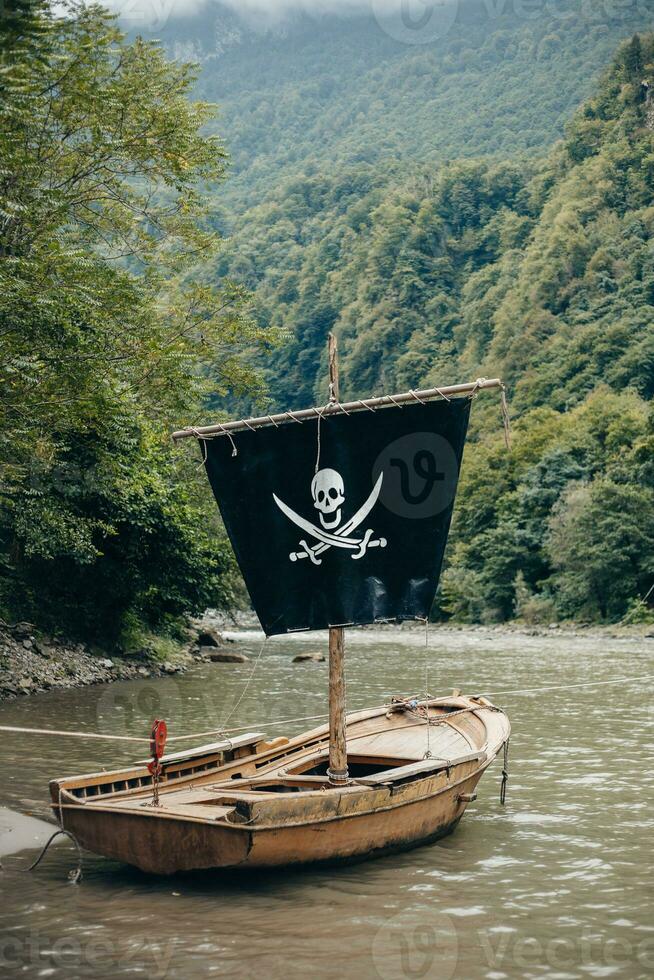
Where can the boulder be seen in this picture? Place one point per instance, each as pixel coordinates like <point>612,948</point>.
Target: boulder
<point>23,631</point>
<point>308,658</point>
<point>228,657</point>
<point>210,638</point>
<point>107,663</point>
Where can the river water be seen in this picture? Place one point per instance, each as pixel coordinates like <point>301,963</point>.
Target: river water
<point>556,884</point>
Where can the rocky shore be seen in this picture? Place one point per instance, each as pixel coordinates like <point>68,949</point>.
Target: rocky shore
<point>32,664</point>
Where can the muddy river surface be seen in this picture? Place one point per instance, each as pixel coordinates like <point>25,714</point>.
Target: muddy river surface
<point>556,884</point>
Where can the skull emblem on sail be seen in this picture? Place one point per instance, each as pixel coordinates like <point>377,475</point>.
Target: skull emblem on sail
<point>328,492</point>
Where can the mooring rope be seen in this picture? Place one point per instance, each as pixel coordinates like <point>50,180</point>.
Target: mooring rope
<point>290,721</point>
<point>247,685</point>
<point>74,876</point>
<point>72,734</point>
<point>505,772</point>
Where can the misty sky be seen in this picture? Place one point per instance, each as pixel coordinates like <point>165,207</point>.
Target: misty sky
<point>267,10</point>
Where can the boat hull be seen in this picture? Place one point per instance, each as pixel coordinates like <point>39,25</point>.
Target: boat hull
<point>171,846</point>
<point>281,820</point>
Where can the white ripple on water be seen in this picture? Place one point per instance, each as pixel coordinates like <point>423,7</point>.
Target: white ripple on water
<point>465,913</point>
<point>534,818</point>
<point>498,861</point>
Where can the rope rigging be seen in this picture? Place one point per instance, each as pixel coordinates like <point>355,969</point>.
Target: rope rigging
<point>321,717</point>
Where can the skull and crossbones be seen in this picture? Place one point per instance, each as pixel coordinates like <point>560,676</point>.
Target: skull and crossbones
<point>328,494</point>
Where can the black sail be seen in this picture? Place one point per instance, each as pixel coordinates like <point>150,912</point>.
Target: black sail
<point>342,521</point>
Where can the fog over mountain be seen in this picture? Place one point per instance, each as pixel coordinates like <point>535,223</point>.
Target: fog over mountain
<point>411,22</point>
<point>277,8</point>
<point>412,15</point>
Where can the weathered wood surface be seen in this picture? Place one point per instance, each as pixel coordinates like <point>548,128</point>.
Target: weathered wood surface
<point>238,742</point>
<point>276,806</point>
<point>337,716</point>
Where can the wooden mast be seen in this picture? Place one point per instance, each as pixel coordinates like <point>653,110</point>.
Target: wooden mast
<point>337,772</point>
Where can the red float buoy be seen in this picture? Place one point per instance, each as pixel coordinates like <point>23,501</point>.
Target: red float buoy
<point>158,737</point>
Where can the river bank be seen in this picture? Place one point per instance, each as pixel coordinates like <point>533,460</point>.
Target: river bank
<point>31,663</point>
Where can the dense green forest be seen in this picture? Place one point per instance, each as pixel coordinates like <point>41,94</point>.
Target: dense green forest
<point>426,203</point>
<point>312,96</point>
<point>539,271</point>
<point>106,342</point>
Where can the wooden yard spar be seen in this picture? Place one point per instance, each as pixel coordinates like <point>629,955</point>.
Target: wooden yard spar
<point>335,408</point>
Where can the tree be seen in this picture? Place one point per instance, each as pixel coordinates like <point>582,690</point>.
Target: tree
<point>633,58</point>
<point>601,541</point>
<point>21,21</point>
<point>107,342</point>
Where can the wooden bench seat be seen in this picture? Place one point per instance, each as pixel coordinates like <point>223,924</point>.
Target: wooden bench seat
<point>420,768</point>
<point>212,748</point>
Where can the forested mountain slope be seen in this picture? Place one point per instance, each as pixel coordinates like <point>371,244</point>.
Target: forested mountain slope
<point>319,94</point>
<point>414,200</point>
<point>542,273</point>
<point>536,270</point>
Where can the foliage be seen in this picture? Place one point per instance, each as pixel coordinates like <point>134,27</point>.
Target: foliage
<point>561,526</point>
<point>105,344</point>
<point>346,213</point>
<point>540,272</point>
<point>537,271</point>
<point>638,613</point>
<point>530,608</point>
<point>601,543</point>
<point>313,96</point>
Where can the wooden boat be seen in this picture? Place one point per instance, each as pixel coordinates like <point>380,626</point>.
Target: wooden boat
<point>251,803</point>
<point>374,531</point>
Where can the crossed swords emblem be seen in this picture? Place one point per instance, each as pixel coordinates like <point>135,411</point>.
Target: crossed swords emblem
<point>328,494</point>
